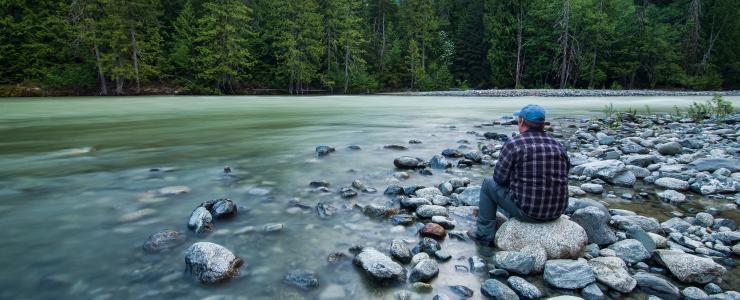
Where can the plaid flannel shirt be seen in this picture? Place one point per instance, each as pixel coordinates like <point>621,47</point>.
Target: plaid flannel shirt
<point>535,167</point>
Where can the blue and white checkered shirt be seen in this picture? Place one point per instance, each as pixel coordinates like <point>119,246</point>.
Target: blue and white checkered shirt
<point>535,167</point>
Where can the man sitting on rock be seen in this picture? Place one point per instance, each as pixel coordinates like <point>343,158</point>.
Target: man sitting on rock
<point>530,180</point>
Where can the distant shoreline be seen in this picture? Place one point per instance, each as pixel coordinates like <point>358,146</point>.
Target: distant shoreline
<point>564,93</point>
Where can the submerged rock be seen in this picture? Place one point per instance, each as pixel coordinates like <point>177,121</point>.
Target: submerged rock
<point>407,162</point>
<point>379,267</point>
<point>164,240</point>
<point>302,279</point>
<point>211,263</point>
<point>561,238</point>
<point>323,150</point>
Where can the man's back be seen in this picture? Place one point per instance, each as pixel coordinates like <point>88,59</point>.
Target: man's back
<point>535,167</point>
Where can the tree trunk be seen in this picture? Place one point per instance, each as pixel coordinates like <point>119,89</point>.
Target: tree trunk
<point>564,43</point>
<point>101,77</point>
<point>519,29</point>
<point>135,58</point>
<point>346,69</point>
<point>593,70</point>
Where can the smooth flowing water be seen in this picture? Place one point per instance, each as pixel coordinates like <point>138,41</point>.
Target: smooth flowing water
<point>78,198</point>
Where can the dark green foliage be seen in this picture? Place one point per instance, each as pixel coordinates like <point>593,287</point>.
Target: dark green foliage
<point>112,47</point>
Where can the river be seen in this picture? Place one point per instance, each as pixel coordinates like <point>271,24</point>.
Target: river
<point>76,200</point>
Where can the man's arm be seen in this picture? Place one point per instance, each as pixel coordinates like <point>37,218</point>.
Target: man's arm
<point>505,163</point>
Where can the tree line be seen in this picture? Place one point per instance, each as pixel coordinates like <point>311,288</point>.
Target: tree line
<point>118,47</point>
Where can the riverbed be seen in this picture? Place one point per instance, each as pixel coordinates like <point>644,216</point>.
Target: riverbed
<point>81,182</point>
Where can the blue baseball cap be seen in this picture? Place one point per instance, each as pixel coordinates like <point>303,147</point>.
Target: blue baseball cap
<point>531,113</point>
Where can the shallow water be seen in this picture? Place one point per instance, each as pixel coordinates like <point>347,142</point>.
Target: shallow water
<point>76,206</point>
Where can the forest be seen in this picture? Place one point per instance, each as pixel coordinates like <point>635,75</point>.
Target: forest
<point>129,47</point>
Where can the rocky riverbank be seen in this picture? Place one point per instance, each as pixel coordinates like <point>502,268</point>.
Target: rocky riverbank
<point>594,251</point>
<point>565,93</point>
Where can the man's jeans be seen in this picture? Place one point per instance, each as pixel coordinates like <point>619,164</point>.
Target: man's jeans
<point>493,197</point>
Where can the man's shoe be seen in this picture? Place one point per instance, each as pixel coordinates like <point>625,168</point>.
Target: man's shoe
<point>474,236</point>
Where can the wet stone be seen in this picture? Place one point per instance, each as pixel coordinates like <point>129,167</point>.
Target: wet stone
<point>402,219</point>
<point>461,291</point>
<point>568,274</point>
<point>400,252</point>
<point>477,264</point>
<point>424,271</point>
<point>497,290</point>
<point>302,279</point>
<point>211,263</point>
<point>433,230</point>
<point>163,240</point>
<point>630,250</point>
<point>592,292</point>
<point>201,220</point>
<point>523,288</point>
<point>514,262</point>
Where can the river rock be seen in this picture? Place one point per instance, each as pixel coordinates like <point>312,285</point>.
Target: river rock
<point>646,223</point>
<point>470,196</point>
<point>690,268</point>
<point>656,285</point>
<point>630,148</point>
<point>604,169</point>
<point>323,150</point>
<point>302,279</point>
<point>223,208</point>
<point>630,250</point>
<point>445,222</point>
<point>461,290</point>
<point>428,193</point>
<point>712,164</point>
<point>402,219</point>
<point>624,179</point>
<point>400,251</point>
<point>523,288</point>
<point>561,238</point>
<point>641,160</point>
<point>595,222</point>
<point>428,211</point>
<point>639,172</point>
<point>670,148</point>
<point>694,293</point>
<point>592,292</point>
<point>477,264</point>
<point>201,220</point>
<point>612,271</point>
<point>495,289</point>
<point>454,153</point>
<point>672,184</point>
<point>407,162</point>
<point>163,240</point>
<point>429,245</point>
<point>578,203</point>
<point>672,197</point>
<point>568,274</point>
<point>514,262</point>
<point>592,188</point>
<point>379,267</point>
<point>439,162</point>
<point>211,263</point>
<point>704,219</point>
<point>424,271</point>
<point>727,237</point>
<point>377,211</point>
<point>413,203</point>
<point>433,230</point>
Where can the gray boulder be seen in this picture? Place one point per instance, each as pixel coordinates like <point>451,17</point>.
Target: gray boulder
<point>646,223</point>
<point>211,263</point>
<point>595,222</point>
<point>672,197</point>
<point>561,238</point>
<point>592,188</point>
<point>712,164</point>
<point>424,271</point>
<point>672,184</point>
<point>514,262</point>
<point>656,285</point>
<point>670,148</point>
<point>592,292</point>
<point>407,162</point>
<point>641,160</point>
<point>624,179</point>
<point>428,193</point>
<point>223,208</point>
<point>694,293</point>
<point>612,272</point>
<point>523,288</point>
<point>690,268</point>
<point>400,252</point>
<point>568,274</point>
<point>379,267</point>
<point>470,196</point>
<point>428,211</point>
<point>201,220</point>
<point>630,250</point>
<point>495,289</point>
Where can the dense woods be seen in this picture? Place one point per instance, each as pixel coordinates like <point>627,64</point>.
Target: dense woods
<point>116,47</point>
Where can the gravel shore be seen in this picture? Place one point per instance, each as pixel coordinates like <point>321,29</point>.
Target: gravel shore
<point>566,93</point>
